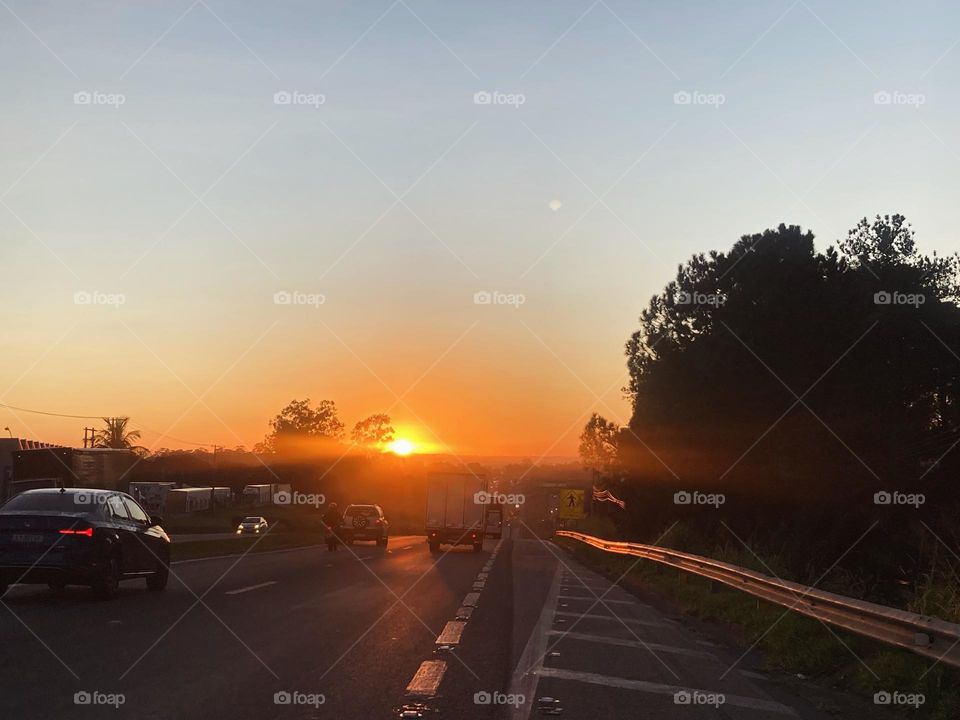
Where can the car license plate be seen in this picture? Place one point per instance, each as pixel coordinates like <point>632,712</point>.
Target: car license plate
<point>28,538</point>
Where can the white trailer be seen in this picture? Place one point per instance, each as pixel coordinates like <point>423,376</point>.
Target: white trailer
<point>456,509</point>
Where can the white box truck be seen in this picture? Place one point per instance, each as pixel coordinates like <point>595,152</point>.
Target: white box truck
<point>456,509</point>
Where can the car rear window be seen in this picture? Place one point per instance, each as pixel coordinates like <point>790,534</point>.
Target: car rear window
<point>368,511</point>
<point>251,520</point>
<point>53,502</point>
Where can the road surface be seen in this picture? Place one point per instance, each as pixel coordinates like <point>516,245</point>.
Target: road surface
<point>361,632</point>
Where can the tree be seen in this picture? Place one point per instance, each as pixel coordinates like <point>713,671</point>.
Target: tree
<point>115,435</point>
<point>598,443</point>
<point>300,427</point>
<point>374,432</point>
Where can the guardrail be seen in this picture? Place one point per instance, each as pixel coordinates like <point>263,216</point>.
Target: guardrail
<point>928,636</point>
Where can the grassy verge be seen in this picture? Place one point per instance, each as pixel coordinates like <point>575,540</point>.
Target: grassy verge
<point>240,545</point>
<point>787,641</point>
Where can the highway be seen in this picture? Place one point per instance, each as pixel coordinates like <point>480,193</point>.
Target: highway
<point>360,632</point>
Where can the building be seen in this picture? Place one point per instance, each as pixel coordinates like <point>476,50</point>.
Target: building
<point>9,446</point>
<point>54,466</point>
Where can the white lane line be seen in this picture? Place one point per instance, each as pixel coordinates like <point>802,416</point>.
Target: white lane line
<point>247,555</point>
<point>408,547</point>
<point>604,639</point>
<point>471,599</point>
<point>464,613</point>
<point>524,678</point>
<point>595,616</point>
<point>661,689</point>
<point>251,587</point>
<point>451,633</point>
<point>427,679</point>
<point>604,601</point>
<point>482,576</point>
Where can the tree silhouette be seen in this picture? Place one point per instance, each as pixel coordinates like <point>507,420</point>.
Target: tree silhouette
<point>299,427</point>
<point>373,432</point>
<point>115,435</point>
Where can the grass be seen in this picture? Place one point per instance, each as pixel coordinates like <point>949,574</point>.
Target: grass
<point>787,641</point>
<point>237,546</point>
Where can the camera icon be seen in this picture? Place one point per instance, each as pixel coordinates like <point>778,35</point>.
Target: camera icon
<point>283,298</point>
<point>482,98</point>
<point>682,498</point>
<point>684,298</point>
<point>282,98</point>
<point>82,98</point>
<point>481,497</point>
<point>682,98</point>
<point>82,698</point>
<point>882,698</point>
<point>482,298</point>
<point>882,98</point>
<point>282,498</point>
<point>682,697</point>
<point>82,298</point>
<point>282,698</point>
<point>482,698</point>
<point>882,298</point>
<point>882,498</point>
<point>82,499</point>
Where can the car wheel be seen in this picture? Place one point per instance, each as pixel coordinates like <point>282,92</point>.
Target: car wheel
<point>106,588</point>
<point>158,581</point>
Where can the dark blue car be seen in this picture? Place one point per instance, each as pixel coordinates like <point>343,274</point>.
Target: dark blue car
<point>77,536</point>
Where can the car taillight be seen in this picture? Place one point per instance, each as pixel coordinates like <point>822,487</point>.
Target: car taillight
<point>378,522</point>
<point>70,531</point>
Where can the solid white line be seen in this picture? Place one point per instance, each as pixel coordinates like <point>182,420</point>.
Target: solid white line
<point>524,677</point>
<point>427,679</point>
<point>251,587</point>
<point>661,689</point>
<point>601,601</point>
<point>589,637</point>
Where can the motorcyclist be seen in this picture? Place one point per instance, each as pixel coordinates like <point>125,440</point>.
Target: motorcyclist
<point>332,519</point>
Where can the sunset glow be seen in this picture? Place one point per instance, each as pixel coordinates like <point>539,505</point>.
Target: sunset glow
<point>401,447</point>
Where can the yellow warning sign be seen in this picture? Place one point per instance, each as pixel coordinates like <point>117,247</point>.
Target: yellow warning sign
<point>571,504</point>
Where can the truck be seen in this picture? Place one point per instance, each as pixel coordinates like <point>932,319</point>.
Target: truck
<point>456,509</point>
<point>257,494</point>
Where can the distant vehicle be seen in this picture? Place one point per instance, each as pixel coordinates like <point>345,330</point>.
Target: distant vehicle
<point>257,494</point>
<point>76,536</point>
<point>254,525</point>
<point>364,522</point>
<point>456,510</point>
<point>494,524</point>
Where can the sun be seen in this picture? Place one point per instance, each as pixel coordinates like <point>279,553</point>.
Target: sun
<point>401,446</point>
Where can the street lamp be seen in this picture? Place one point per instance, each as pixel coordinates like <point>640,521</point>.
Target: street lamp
<point>9,431</point>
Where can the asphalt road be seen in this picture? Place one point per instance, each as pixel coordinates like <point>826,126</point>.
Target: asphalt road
<point>363,631</point>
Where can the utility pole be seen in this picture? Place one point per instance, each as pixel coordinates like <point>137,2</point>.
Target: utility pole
<point>88,432</point>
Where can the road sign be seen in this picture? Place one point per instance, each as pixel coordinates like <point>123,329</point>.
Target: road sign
<point>571,504</point>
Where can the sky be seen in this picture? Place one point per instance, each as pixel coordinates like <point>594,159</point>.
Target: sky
<point>450,212</point>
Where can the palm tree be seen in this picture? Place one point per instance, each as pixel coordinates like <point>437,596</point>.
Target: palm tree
<point>116,436</point>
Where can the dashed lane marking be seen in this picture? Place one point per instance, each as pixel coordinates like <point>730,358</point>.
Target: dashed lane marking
<point>427,679</point>
<point>251,587</point>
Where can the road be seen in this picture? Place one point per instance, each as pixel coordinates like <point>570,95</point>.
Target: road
<point>363,628</point>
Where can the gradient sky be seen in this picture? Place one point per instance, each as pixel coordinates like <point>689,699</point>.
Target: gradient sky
<point>199,198</point>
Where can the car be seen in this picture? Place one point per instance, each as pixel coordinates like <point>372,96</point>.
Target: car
<point>364,522</point>
<point>79,536</point>
<point>254,524</point>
